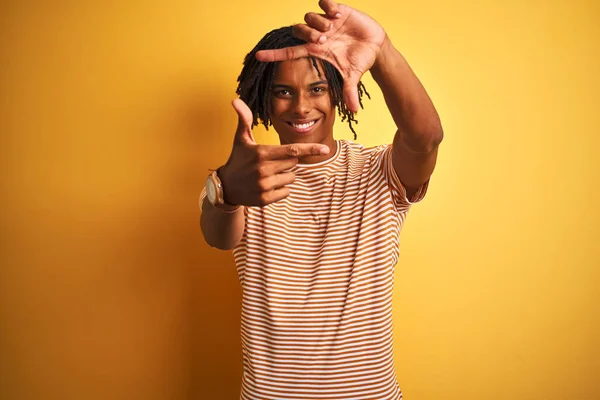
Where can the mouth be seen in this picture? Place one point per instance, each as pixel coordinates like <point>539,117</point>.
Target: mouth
<point>303,127</point>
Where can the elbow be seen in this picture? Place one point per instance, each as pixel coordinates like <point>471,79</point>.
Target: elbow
<point>436,138</point>
<point>432,140</point>
<point>219,245</point>
<point>223,246</point>
<point>209,237</point>
<point>423,142</point>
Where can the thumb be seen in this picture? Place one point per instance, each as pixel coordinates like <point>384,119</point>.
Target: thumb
<point>351,93</point>
<point>243,133</point>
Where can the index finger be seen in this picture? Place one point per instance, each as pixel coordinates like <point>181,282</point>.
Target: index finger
<point>288,53</point>
<point>294,150</point>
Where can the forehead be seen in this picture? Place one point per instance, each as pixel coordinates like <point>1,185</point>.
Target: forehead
<point>300,71</point>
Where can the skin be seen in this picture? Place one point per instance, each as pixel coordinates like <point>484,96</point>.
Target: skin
<point>300,95</point>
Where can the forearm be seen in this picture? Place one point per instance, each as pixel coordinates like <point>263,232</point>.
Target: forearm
<point>221,229</point>
<point>418,123</point>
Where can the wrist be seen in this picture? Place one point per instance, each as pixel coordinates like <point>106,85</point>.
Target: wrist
<point>227,208</point>
<point>224,178</point>
<point>384,57</point>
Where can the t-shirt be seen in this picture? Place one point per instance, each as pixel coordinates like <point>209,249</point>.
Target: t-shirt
<point>317,274</point>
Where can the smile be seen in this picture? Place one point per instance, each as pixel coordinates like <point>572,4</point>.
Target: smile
<point>304,127</point>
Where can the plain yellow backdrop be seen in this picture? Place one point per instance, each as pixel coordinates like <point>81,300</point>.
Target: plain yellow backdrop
<point>112,112</point>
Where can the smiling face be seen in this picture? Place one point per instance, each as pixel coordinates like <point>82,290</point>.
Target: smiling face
<point>301,109</point>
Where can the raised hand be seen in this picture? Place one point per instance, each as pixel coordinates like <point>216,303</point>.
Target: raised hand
<point>347,38</point>
<point>255,175</point>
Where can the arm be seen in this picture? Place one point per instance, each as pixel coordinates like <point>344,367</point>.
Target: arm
<point>419,132</point>
<point>254,175</point>
<point>222,228</point>
<point>355,43</point>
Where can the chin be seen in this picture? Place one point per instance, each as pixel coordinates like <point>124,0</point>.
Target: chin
<point>302,138</point>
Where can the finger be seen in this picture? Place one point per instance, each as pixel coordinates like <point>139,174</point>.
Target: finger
<point>277,181</point>
<point>243,133</point>
<point>275,195</point>
<point>318,21</point>
<point>295,150</point>
<point>308,34</point>
<point>284,165</point>
<point>288,53</point>
<point>351,94</point>
<point>331,8</point>
<point>269,168</point>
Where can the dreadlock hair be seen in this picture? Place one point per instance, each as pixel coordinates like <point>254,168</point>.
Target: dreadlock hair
<point>257,77</point>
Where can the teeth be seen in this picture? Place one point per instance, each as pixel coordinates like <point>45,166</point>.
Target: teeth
<point>303,126</point>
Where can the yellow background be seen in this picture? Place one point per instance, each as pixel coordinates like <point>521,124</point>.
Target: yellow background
<point>112,112</point>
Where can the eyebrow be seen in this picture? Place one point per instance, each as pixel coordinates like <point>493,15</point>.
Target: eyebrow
<point>317,83</point>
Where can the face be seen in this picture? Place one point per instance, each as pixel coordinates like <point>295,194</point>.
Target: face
<point>301,109</point>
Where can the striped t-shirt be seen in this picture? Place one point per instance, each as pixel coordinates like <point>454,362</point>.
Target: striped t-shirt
<point>317,272</point>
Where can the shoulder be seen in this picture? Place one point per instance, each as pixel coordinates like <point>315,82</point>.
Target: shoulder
<point>359,152</point>
<point>354,148</point>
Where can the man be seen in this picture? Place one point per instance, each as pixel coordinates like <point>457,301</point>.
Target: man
<point>314,222</point>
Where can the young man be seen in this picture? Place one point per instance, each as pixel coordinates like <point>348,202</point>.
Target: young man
<point>315,222</point>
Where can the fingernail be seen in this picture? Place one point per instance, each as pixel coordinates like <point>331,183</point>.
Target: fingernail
<point>324,150</point>
<point>338,15</point>
<point>322,39</point>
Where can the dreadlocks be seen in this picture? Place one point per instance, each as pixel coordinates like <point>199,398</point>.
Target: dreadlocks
<point>257,77</point>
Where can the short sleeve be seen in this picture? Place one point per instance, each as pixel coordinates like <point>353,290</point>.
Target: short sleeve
<point>383,160</point>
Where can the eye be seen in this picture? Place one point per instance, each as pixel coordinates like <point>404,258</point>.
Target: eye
<point>319,89</point>
<point>282,93</point>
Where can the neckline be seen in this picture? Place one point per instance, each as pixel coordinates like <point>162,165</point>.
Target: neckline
<point>338,150</point>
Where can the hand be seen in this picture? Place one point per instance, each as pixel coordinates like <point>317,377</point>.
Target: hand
<point>255,174</point>
<point>347,38</point>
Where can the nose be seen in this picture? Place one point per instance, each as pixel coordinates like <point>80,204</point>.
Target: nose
<point>302,104</point>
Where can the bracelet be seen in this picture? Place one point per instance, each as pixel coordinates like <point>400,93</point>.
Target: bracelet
<point>228,211</point>
<point>201,198</point>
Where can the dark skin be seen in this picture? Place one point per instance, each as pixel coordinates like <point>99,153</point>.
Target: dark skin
<point>300,95</point>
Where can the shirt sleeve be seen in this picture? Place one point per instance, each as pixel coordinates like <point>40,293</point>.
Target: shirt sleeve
<point>383,161</point>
